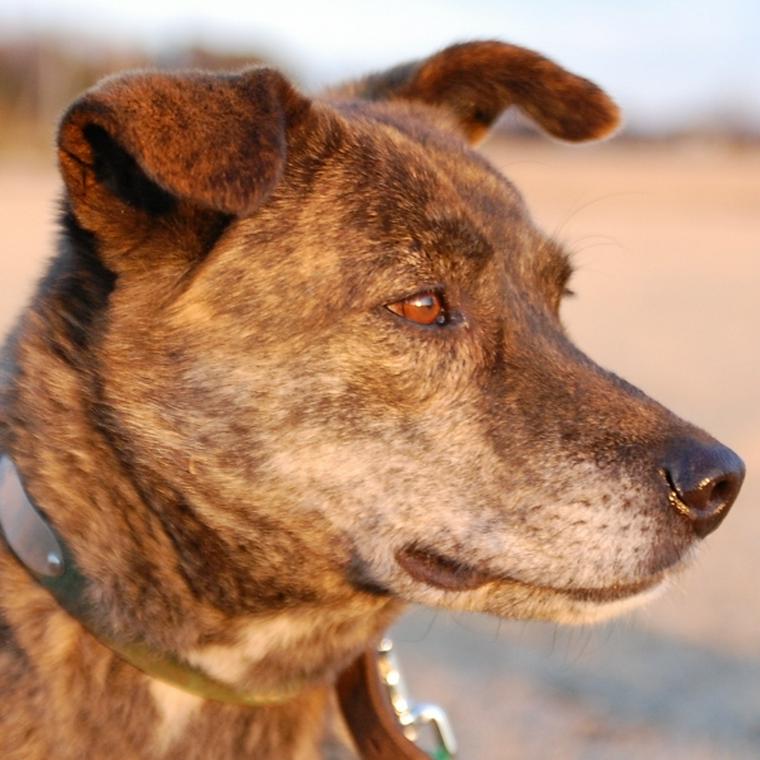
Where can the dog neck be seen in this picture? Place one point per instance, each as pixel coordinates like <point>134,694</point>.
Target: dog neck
<point>141,576</point>
<point>147,534</point>
<point>49,560</point>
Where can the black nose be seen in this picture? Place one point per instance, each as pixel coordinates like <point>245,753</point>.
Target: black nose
<point>704,482</point>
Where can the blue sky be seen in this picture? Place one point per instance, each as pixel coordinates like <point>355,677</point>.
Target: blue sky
<point>666,61</point>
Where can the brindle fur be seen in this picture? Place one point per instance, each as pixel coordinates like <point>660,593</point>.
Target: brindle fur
<point>209,401</point>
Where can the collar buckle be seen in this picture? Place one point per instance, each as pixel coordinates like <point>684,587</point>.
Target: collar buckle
<point>415,715</point>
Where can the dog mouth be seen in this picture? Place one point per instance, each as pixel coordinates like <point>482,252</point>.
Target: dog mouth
<point>449,574</point>
<point>440,572</point>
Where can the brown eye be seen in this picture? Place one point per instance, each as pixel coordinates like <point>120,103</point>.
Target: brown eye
<point>421,308</point>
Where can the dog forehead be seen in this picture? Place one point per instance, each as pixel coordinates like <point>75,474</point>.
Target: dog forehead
<point>403,152</point>
<point>378,202</point>
<point>403,183</point>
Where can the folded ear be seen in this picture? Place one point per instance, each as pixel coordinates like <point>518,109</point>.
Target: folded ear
<point>476,81</point>
<point>139,145</point>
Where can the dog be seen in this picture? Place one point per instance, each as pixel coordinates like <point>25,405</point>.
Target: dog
<point>298,362</point>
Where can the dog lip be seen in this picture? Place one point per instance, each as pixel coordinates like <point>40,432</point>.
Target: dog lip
<point>449,574</point>
<point>606,594</point>
<point>440,572</point>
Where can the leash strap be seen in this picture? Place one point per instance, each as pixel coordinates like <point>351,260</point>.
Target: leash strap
<point>369,714</point>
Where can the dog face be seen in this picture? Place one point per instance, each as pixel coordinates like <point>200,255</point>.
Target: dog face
<point>334,330</point>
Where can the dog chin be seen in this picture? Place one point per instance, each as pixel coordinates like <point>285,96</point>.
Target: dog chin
<point>586,613</point>
<point>441,582</point>
<point>521,601</point>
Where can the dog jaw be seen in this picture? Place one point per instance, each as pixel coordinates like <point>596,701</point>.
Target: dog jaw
<point>567,608</point>
<point>517,600</point>
<point>445,573</point>
<point>295,649</point>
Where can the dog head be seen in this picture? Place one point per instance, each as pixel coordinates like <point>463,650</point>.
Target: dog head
<point>333,330</point>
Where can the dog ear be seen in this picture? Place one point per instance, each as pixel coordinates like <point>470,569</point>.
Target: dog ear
<point>477,81</point>
<point>140,145</point>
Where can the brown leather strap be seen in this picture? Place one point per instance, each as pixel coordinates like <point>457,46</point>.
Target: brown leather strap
<point>368,712</point>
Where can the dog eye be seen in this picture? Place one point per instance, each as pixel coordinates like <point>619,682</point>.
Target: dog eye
<point>421,308</point>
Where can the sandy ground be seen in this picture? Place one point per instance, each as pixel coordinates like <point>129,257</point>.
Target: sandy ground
<point>667,243</point>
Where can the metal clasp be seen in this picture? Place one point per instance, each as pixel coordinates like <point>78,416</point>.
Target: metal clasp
<point>414,715</point>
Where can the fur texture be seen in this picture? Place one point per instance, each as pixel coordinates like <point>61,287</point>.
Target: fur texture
<point>211,402</point>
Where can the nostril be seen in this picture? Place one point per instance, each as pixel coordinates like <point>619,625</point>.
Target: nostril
<point>704,482</point>
<point>711,495</point>
<point>722,492</point>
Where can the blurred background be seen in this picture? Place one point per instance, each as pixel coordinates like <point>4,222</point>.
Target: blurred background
<point>664,221</point>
